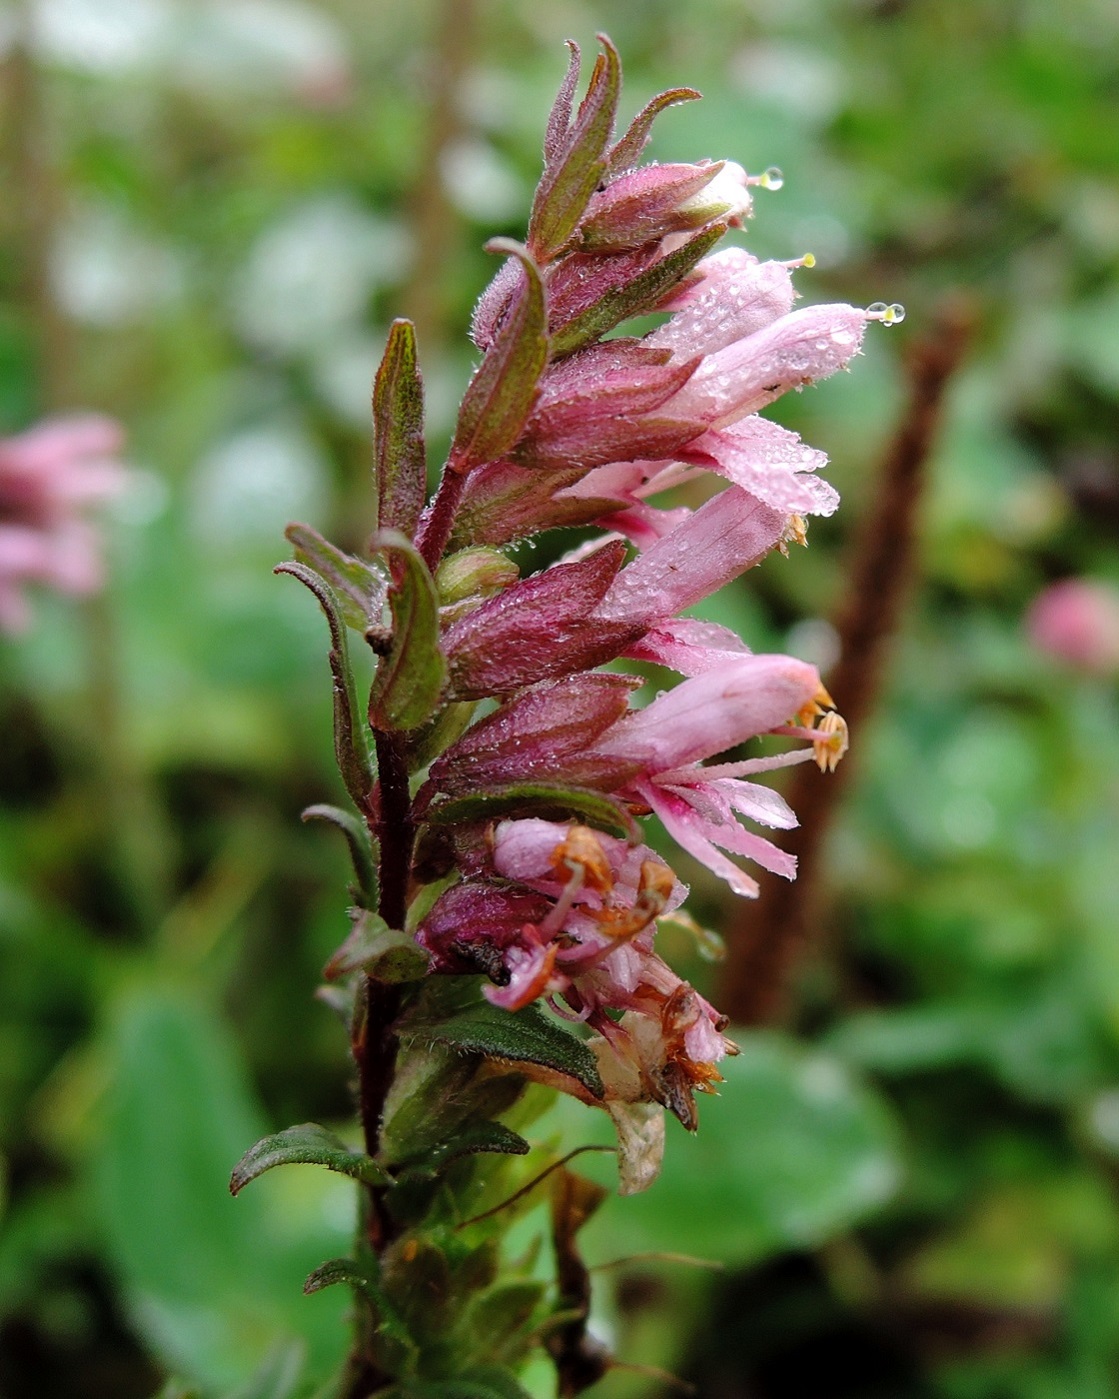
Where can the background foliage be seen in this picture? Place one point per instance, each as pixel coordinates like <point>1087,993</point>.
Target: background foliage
<point>214,209</point>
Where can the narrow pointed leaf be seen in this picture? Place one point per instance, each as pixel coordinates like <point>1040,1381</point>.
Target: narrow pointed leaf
<point>393,1344</point>
<point>548,801</point>
<point>627,152</point>
<point>409,679</point>
<point>399,459</point>
<point>378,950</point>
<point>571,179</point>
<point>525,1036</point>
<point>307,1144</point>
<point>633,297</point>
<point>473,1140</point>
<point>359,587</point>
<point>351,748</point>
<point>357,840</point>
<point>500,396</point>
<point>559,119</point>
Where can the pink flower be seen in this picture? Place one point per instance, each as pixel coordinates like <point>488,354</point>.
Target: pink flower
<point>798,349</point>
<point>720,707</point>
<point>730,295</point>
<point>48,476</point>
<point>724,537</point>
<point>1077,621</point>
<point>572,914</point>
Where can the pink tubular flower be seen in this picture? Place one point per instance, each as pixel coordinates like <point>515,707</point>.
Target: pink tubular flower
<point>798,349</point>
<point>731,295</point>
<point>48,476</point>
<point>719,708</point>
<point>729,534</point>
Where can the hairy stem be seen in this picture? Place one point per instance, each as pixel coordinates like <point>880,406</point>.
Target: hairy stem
<point>375,1043</point>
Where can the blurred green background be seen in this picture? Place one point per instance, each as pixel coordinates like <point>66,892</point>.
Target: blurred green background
<point>212,210</point>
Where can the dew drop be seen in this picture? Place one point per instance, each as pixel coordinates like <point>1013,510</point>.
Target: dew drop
<point>893,314</point>
<point>772,178</point>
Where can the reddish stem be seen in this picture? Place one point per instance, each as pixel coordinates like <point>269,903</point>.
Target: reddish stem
<point>439,518</point>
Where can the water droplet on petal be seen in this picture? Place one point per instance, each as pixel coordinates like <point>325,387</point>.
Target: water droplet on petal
<point>893,314</point>
<point>772,178</point>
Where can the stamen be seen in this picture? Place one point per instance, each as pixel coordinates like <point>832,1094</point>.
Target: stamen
<point>653,893</point>
<point>830,741</point>
<point>893,314</point>
<point>581,855</point>
<point>773,179</point>
<point>808,260</point>
<point>796,532</point>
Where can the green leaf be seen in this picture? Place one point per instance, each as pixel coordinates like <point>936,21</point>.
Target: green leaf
<point>399,458</point>
<point>448,726</point>
<point>501,1318</point>
<point>307,1144</point>
<point>474,1139</point>
<point>568,183</point>
<point>638,296</point>
<point>343,1270</point>
<point>525,1036</point>
<point>547,800</point>
<point>500,396</point>
<point>395,1347</point>
<point>280,1376</point>
<point>410,676</point>
<point>359,588</point>
<point>351,748</point>
<point>357,839</point>
<point>378,950</point>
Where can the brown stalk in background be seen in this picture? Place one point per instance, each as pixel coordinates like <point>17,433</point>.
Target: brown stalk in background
<point>884,564</point>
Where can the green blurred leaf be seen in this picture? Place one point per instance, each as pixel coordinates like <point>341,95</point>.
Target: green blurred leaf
<point>213,1284</point>
<point>488,1383</point>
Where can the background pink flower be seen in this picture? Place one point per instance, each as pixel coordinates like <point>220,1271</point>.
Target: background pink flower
<point>49,477</point>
